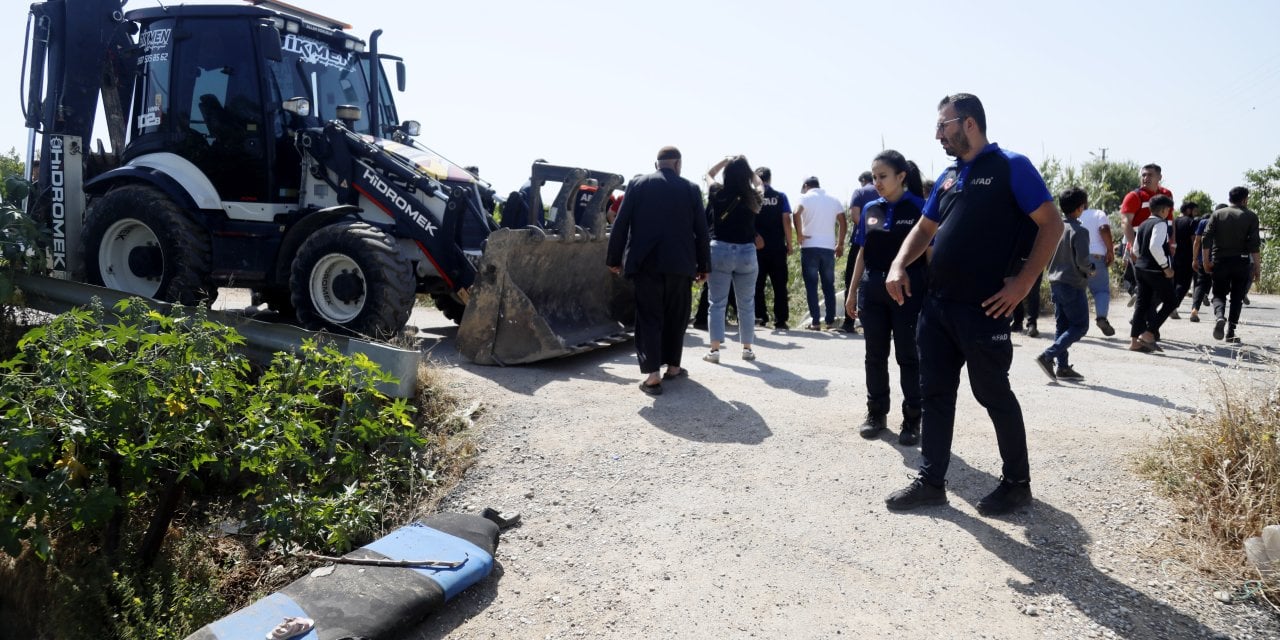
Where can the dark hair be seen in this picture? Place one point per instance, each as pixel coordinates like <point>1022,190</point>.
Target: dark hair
<point>1152,166</point>
<point>1071,199</point>
<point>902,165</point>
<point>928,187</point>
<point>812,181</point>
<point>865,177</point>
<point>1161,203</point>
<point>737,182</point>
<point>1238,195</point>
<point>1220,205</point>
<point>765,173</point>
<point>1188,205</point>
<point>967,105</point>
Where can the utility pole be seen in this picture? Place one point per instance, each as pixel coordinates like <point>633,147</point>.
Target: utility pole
<point>1103,156</point>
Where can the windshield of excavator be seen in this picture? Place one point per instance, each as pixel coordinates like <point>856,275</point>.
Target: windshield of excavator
<point>327,74</point>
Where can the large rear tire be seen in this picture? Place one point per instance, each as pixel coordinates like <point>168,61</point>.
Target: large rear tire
<point>350,277</point>
<point>139,241</point>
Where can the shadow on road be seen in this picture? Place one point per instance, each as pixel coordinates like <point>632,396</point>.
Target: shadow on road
<point>1055,559</point>
<point>715,421</point>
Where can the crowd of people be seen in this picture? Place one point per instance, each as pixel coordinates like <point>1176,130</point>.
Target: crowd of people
<point>941,273</point>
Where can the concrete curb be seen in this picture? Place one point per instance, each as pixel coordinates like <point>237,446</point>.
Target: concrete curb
<point>375,603</point>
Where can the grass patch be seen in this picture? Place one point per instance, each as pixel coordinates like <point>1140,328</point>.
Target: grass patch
<point>1222,471</point>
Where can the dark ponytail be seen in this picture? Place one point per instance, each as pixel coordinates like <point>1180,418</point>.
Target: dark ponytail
<point>914,184</point>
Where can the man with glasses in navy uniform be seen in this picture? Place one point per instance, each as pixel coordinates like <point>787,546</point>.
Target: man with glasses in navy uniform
<point>993,227</point>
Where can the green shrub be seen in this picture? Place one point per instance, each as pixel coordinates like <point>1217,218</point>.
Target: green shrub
<point>109,427</point>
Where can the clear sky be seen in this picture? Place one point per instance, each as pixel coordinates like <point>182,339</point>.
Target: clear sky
<point>816,88</point>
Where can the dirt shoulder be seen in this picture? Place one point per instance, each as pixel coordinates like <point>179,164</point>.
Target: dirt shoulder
<point>743,503</point>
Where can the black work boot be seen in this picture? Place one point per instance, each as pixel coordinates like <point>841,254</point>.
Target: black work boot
<point>872,426</point>
<point>1007,497</point>
<point>917,494</point>
<point>910,433</point>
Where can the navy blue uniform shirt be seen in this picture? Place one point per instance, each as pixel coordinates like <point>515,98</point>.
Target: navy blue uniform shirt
<point>770,220</point>
<point>883,227</point>
<point>983,208</point>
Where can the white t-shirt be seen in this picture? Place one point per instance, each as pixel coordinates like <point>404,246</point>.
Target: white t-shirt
<point>819,219</point>
<point>1093,220</point>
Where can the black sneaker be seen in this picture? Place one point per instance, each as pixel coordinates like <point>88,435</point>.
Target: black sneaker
<point>1231,336</point>
<point>762,322</point>
<point>1067,373</point>
<point>1218,326</point>
<point>700,325</point>
<point>1032,331</point>
<point>1245,300</point>
<point>847,327</point>
<point>1105,326</point>
<point>780,326</point>
<point>917,494</point>
<point>1046,365</point>
<point>1007,497</point>
<point>910,433</point>
<point>872,426</point>
<point>1195,317</point>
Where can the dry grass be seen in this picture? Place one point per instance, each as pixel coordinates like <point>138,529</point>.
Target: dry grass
<point>1222,470</point>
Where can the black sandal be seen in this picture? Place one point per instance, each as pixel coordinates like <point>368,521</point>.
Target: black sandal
<point>651,389</point>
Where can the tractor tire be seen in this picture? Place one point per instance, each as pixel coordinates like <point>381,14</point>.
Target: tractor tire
<point>138,240</point>
<point>449,306</point>
<point>350,277</point>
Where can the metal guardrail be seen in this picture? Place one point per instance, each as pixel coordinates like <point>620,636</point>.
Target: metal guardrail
<point>264,339</point>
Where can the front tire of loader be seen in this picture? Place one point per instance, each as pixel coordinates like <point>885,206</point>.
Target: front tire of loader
<point>350,277</point>
<point>450,307</point>
<point>139,241</point>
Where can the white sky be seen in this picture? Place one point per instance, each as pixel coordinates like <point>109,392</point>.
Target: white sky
<point>812,88</point>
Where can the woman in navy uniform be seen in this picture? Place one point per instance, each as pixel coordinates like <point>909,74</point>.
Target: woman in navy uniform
<point>883,226</point>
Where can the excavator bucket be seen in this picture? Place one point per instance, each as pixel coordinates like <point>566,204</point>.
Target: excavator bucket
<point>543,291</point>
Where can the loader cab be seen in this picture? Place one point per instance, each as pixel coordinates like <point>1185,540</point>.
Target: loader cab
<point>209,91</point>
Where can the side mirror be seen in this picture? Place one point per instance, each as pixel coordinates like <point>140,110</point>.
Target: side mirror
<point>411,128</point>
<point>269,42</point>
<point>400,77</point>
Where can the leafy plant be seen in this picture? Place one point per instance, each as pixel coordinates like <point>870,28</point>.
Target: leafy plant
<point>109,427</point>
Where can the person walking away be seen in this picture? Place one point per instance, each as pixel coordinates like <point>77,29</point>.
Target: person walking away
<point>1153,267</point>
<point>773,224</point>
<point>1134,209</point>
<point>976,219</point>
<point>881,230</point>
<point>1184,231</point>
<point>659,240</point>
<point>862,196</point>
<point>1204,282</point>
<point>1231,245</point>
<point>1069,273</point>
<point>815,220</point>
<point>1101,255</point>
<point>732,209</point>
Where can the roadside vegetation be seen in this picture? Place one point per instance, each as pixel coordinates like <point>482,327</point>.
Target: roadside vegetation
<point>1221,468</point>
<point>154,479</point>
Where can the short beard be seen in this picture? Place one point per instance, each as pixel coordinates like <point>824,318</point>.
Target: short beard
<point>959,145</point>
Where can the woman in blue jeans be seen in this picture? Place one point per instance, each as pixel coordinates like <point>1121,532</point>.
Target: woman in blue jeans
<point>731,217</point>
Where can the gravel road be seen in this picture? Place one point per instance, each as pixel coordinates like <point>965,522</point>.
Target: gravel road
<point>742,503</point>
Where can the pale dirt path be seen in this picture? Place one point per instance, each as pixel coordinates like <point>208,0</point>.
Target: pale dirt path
<point>742,503</point>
